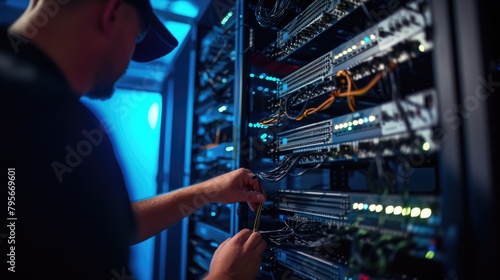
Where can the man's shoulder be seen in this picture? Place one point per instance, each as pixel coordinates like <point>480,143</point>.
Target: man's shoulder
<point>26,73</point>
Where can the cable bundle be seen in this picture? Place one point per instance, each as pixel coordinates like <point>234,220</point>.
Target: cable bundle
<point>270,18</point>
<point>285,166</point>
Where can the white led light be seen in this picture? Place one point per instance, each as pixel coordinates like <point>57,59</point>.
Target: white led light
<point>415,212</point>
<point>398,210</point>
<point>379,208</point>
<point>372,207</point>
<point>426,146</point>
<point>425,213</point>
<point>389,209</point>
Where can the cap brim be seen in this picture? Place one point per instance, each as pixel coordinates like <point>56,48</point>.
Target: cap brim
<point>157,42</point>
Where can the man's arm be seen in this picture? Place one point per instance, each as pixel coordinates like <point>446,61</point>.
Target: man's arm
<point>160,212</point>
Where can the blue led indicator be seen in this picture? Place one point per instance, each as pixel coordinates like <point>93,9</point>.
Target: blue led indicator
<point>367,39</point>
<point>285,140</point>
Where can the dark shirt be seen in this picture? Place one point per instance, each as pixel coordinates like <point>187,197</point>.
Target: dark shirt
<point>73,218</point>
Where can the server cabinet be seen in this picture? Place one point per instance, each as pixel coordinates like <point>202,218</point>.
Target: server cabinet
<point>356,115</point>
<point>214,143</point>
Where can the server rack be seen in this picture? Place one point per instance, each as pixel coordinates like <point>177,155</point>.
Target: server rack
<point>354,115</point>
<point>214,124</point>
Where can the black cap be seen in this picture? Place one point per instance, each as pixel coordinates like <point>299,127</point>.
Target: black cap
<point>157,41</point>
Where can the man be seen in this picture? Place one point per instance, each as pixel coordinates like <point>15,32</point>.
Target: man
<point>80,225</point>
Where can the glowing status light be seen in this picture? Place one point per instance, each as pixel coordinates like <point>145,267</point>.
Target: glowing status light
<point>229,149</point>
<point>379,208</point>
<point>222,108</point>
<point>349,128</point>
<point>264,136</point>
<point>426,146</point>
<point>153,113</point>
<point>421,48</point>
<point>226,18</point>
<point>366,39</point>
<point>354,47</point>
<point>257,125</point>
<point>372,118</point>
<point>262,76</point>
<point>398,210</point>
<point>355,122</point>
<point>415,212</point>
<point>372,207</point>
<point>406,211</point>
<point>365,206</point>
<point>362,42</point>
<point>349,50</point>
<point>389,209</point>
<point>252,75</point>
<point>365,120</point>
<point>425,213</point>
<point>349,124</point>
<point>336,127</point>
<point>213,213</point>
<point>430,254</point>
<point>344,52</point>
<point>224,80</point>
<point>355,206</point>
<point>372,37</point>
<point>361,121</point>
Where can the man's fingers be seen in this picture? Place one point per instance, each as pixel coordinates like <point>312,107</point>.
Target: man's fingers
<point>252,196</point>
<point>256,243</point>
<point>224,243</point>
<point>242,236</point>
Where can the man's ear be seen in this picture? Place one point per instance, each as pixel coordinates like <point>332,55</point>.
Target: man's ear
<point>108,15</point>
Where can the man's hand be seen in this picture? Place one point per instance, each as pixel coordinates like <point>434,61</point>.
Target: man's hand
<point>239,185</point>
<point>238,257</point>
